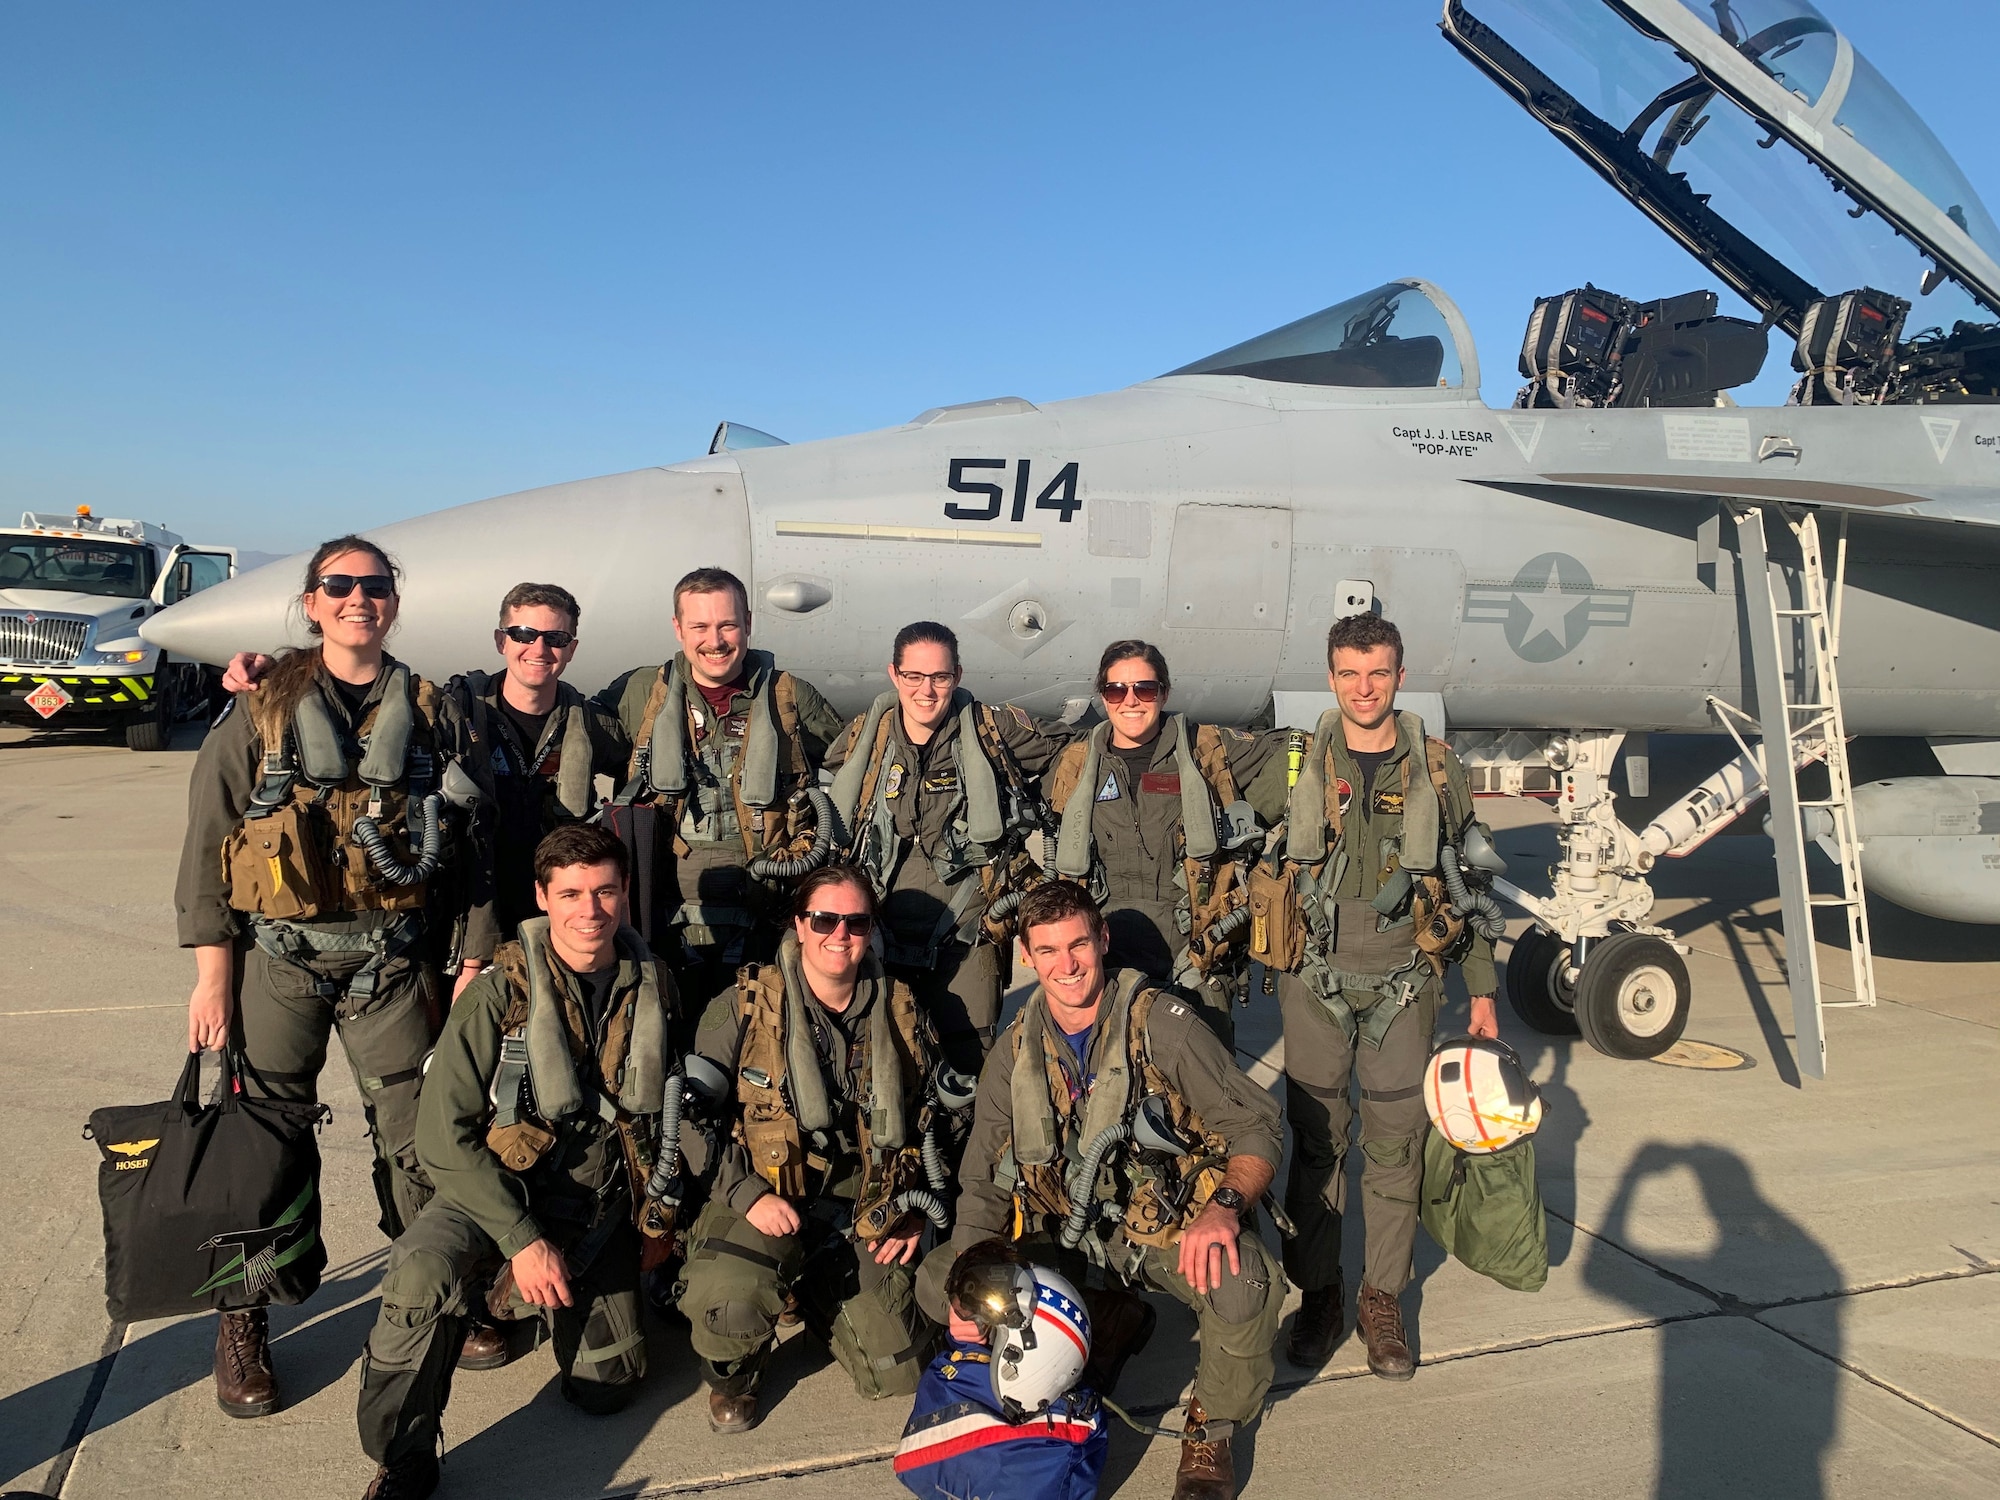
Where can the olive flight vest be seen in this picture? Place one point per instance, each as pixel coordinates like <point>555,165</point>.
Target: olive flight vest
<point>864,794</point>
<point>1212,884</point>
<point>1052,1134</point>
<point>563,758</point>
<point>690,786</point>
<point>296,857</point>
<point>1316,853</point>
<point>786,1118</point>
<point>538,1088</point>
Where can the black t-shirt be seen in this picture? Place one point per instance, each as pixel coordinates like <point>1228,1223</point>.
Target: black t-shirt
<point>1138,761</point>
<point>597,989</point>
<point>527,729</point>
<point>352,695</point>
<point>1369,761</point>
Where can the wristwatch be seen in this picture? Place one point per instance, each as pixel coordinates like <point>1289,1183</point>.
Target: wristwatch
<point>1229,1198</point>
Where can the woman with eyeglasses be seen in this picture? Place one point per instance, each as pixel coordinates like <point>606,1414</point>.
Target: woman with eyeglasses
<point>1156,818</point>
<point>938,793</point>
<point>820,1191</point>
<point>315,831</point>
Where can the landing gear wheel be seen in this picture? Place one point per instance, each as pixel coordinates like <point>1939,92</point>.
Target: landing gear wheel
<point>1536,986</point>
<point>1633,995</point>
<point>156,730</point>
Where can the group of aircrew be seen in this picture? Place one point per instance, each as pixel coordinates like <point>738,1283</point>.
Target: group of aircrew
<point>730,1040</point>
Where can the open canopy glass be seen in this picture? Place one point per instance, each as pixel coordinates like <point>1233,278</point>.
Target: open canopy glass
<point>1397,336</point>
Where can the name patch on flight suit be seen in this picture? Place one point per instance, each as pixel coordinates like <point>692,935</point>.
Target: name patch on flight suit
<point>1388,800</point>
<point>1161,783</point>
<point>942,781</point>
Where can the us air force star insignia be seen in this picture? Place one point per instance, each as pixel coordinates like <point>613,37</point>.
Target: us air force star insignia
<point>1109,791</point>
<point>1549,607</point>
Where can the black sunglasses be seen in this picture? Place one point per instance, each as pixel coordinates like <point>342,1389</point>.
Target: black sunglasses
<point>372,585</point>
<point>1146,692</point>
<point>860,923</point>
<point>527,635</point>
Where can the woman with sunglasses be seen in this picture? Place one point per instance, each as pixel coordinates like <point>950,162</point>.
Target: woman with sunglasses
<point>809,1198</point>
<point>315,831</point>
<point>1142,804</point>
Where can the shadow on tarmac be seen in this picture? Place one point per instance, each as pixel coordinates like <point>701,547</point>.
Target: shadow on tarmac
<point>1740,1412</point>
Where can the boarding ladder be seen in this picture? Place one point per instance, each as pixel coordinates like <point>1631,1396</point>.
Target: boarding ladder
<point>1802,644</point>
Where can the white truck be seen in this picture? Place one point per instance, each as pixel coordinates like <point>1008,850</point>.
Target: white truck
<point>73,593</point>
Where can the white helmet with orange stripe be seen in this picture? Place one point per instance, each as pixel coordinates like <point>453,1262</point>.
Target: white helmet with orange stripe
<point>1479,1096</point>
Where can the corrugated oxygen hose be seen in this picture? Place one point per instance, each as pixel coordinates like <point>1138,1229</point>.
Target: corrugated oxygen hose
<point>1477,907</point>
<point>1005,906</point>
<point>826,824</point>
<point>667,1166</point>
<point>1080,1181</point>
<point>1228,925</point>
<point>427,829</point>
<point>926,1203</point>
<point>934,1168</point>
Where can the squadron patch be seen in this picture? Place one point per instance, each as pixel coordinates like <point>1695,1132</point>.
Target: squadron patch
<point>1346,792</point>
<point>1021,717</point>
<point>894,784</point>
<point>1109,791</point>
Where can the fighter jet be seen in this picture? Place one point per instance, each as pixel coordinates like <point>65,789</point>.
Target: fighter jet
<point>1624,550</point>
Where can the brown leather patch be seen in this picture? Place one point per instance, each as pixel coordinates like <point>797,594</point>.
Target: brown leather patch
<point>1162,783</point>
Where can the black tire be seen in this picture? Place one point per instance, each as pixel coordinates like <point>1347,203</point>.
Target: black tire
<point>1633,997</point>
<point>1535,985</point>
<point>156,731</point>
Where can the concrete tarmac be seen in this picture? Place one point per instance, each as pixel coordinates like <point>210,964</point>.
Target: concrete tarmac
<point>1759,1285</point>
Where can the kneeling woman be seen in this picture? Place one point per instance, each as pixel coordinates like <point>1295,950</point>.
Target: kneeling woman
<point>314,827</point>
<point>819,1193</point>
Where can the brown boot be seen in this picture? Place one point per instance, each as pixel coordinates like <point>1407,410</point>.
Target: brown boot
<point>411,1478</point>
<point>1207,1472</point>
<point>485,1346</point>
<point>1317,1327</point>
<point>1121,1324</point>
<point>729,1414</point>
<point>1379,1317</point>
<point>244,1383</point>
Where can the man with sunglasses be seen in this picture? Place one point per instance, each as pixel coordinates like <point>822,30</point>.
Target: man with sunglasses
<point>810,1201</point>
<point>538,748</point>
<point>721,740</point>
<point>937,793</point>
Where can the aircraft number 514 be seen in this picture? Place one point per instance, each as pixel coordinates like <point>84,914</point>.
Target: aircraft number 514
<point>1058,495</point>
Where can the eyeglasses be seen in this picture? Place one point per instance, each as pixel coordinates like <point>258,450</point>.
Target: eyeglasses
<point>860,923</point>
<point>938,680</point>
<point>373,585</point>
<point>527,635</point>
<point>1146,692</point>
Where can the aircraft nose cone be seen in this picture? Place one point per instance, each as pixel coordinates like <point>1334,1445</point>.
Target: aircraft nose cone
<point>251,612</point>
<point>617,543</point>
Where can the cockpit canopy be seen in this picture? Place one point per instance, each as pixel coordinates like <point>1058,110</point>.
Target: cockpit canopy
<point>1402,335</point>
<point>1756,135</point>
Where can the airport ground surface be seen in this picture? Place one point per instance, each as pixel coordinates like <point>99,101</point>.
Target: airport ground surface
<point>1759,1287</point>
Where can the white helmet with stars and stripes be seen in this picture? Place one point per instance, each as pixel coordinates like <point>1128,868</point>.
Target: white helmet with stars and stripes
<point>1034,1322</point>
<point>1479,1096</point>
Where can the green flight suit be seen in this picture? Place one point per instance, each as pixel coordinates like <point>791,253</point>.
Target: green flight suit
<point>1327,1052</point>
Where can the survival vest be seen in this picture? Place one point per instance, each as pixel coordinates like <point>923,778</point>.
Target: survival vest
<point>538,1088</point>
<point>564,758</point>
<point>990,815</point>
<point>1315,860</point>
<point>786,1120</point>
<point>1053,1135</point>
<point>1213,881</point>
<point>684,770</point>
<point>338,824</point>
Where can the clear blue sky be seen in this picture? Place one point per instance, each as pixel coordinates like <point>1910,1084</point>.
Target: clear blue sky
<point>268,269</point>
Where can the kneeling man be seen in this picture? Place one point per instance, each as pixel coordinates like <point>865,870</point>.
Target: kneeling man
<point>1111,1087</point>
<point>537,1124</point>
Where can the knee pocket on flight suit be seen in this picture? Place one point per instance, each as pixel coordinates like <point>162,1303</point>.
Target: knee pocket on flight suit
<point>419,1288</point>
<point>1243,1297</point>
<point>882,1338</point>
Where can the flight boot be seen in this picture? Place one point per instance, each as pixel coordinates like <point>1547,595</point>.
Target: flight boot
<point>1317,1327</point>
<point>412,1478</point>
<point>730,1414</point>
<point>1379,1317</point>
<point>1208,1470</point>
<point>1121,1324</point>
<point>486,1346</point>
<point>245,1385</point>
